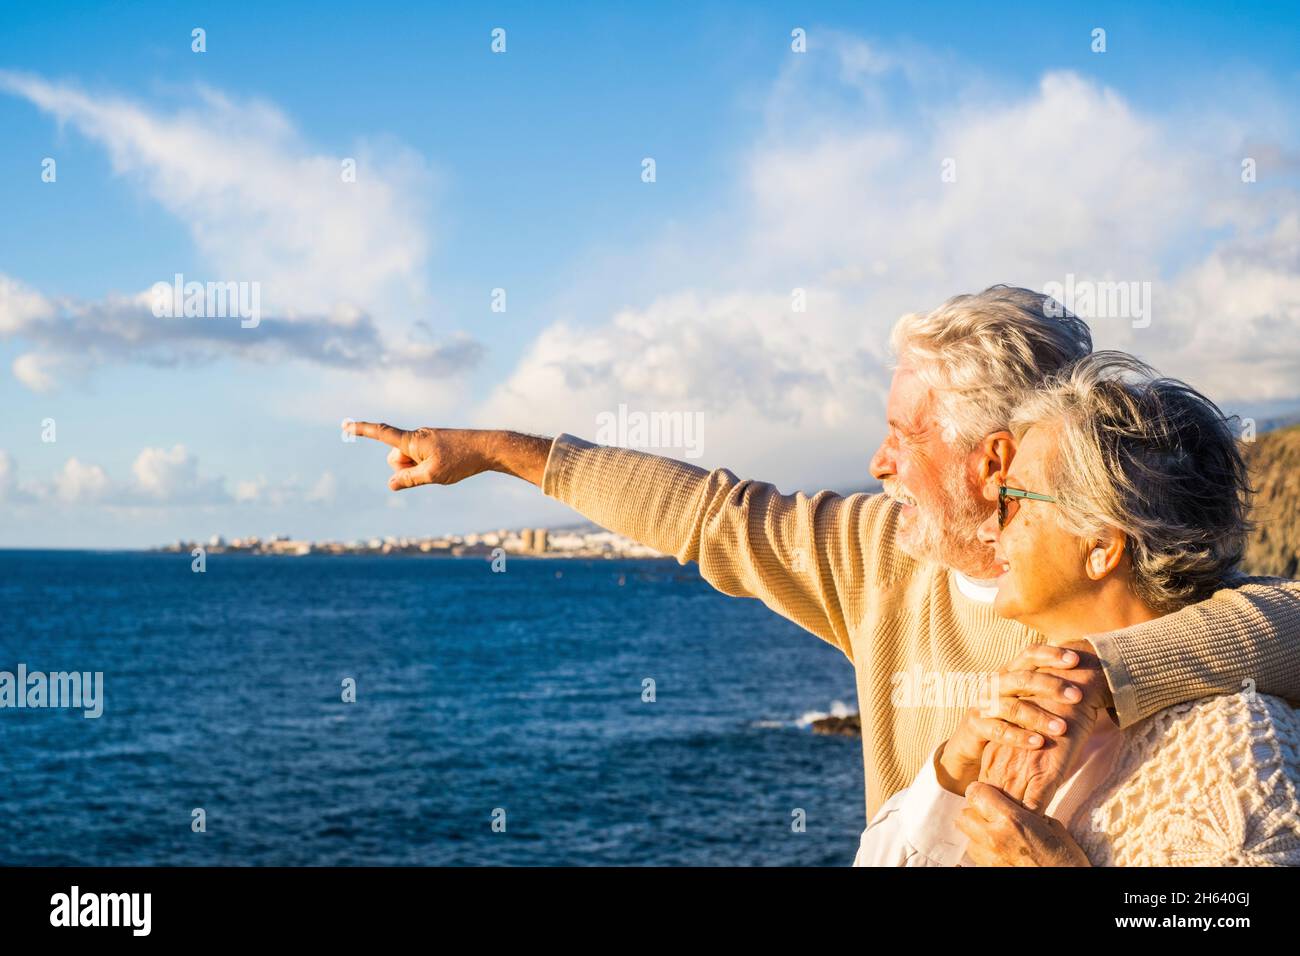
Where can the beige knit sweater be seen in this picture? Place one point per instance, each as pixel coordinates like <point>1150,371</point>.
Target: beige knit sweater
<point>1206,783</point>
<point>829,563</point>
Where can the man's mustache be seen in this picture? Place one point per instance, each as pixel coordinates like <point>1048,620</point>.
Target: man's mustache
<point>896,491</point>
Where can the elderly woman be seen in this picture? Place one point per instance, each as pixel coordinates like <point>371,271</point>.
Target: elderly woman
<point>1126,500</point>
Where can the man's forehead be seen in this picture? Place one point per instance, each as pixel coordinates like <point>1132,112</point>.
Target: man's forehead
<point>908,394</point>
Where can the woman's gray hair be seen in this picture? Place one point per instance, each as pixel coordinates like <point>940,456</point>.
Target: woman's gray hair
<point>982,353</point>
<point>1153,458</point>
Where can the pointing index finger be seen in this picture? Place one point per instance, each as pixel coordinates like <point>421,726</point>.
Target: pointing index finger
<point>381,432</point>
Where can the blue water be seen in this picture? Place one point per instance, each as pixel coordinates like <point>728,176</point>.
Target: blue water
<point>475,691</point>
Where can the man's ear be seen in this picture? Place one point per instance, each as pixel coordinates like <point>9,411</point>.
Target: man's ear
<point>1104,555</point>
<point>995,454</point>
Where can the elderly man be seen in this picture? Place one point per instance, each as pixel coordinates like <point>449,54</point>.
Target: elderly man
<point>899,581</point>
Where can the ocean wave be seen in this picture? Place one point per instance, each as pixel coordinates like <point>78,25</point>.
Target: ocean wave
<point>837,709</point>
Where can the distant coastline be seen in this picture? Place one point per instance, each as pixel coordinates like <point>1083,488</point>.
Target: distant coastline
<point>580,541</point>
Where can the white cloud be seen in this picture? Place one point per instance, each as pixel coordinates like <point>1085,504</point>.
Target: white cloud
<point>73,336</point>
<point>339,265</point>
<point>172,477</point>
<point>1234,317</point>
<point>249,490</point>
<point>78,482</point>
<point>37,371</point>
<point>260,203</point>
<point>20,306</point>
<point>159,478</point>
<point>762,377</point>
<point>848,203</point>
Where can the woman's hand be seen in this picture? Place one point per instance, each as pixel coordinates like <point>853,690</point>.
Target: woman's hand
<point>1012,719</point>
<point>1032,777</point>
<point>1003,833</point>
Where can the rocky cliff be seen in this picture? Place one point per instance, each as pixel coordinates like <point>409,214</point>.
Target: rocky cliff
<point>1274,460</point>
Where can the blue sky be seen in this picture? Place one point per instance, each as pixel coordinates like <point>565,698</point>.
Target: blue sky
<point>522,171</point>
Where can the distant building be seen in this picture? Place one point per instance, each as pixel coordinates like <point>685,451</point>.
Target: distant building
<point>290,547</point>
<point>526,537</point>
<point>565,541</point>
<point>539,540</point>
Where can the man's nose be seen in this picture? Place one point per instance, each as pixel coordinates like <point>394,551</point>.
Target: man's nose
<point>882,463</point>
<point>989,530</point>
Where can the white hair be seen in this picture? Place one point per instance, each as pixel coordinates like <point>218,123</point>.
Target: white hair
<point>1153,458</point>
<point>983,353</point>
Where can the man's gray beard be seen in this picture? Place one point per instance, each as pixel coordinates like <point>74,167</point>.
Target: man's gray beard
<point>950,538</point>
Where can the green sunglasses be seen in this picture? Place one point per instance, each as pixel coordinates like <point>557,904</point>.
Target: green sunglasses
<point>1007,504</point>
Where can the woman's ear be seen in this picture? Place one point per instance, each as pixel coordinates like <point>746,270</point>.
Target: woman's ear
<point>995,454</point>
<point>1104,555</point>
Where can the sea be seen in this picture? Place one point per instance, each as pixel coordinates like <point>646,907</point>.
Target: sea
<point>372,710</point>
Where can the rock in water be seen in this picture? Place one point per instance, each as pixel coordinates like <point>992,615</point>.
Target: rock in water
<point>850,726</point>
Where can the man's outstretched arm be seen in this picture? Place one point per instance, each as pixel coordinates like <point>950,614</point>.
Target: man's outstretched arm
<point>1245,637</point>
<point>802,556</point>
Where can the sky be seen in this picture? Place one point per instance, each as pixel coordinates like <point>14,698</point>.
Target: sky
<point>818,171</point>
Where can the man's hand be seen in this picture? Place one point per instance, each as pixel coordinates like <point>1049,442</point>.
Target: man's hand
<point>1014,720</point>
<point>444,456</point>
<point>1004,833</point>
<point>1033,776</point>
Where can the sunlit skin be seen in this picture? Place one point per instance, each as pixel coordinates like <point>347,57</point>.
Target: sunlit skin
<point>1061,585</point>
<point>1003,833</point>
<point>912,462</point>
<point>1065,587</point>
<point>1018,719</point>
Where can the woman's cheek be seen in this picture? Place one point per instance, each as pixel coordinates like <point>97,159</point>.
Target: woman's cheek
<point>1026,566</point>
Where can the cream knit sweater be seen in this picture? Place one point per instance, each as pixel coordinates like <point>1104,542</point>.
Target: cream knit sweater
<point>1206,783</point>
<point>829,563</point>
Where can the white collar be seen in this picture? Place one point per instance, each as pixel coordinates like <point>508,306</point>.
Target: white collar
<point>975,590</point>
